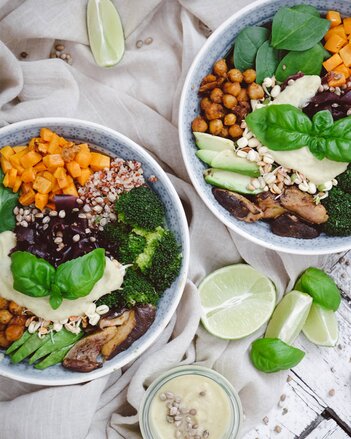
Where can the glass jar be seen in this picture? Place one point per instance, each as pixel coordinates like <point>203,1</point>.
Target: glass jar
<point>226,390</point>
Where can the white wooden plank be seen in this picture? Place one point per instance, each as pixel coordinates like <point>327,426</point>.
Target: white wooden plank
<point>341,272</point>
<point>328,430</point>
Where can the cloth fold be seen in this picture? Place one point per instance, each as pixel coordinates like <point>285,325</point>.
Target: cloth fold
<point>139,98</point>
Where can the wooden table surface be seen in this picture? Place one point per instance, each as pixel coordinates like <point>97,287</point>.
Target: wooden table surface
<point>316,400</point>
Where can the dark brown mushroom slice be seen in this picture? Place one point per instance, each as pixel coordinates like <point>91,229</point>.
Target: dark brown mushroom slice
<point>270,205</point>
<point>290,226</point>
<point>83,355</point>
<point>239,206</point>
<point>139,320</point>
<point>303,205</point>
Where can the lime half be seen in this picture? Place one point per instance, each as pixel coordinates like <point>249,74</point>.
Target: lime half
<point>236,301</point>
<point>289,317</point>
<point>321,326</point>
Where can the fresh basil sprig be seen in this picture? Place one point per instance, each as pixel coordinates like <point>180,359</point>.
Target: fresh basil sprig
<point>321,287</point>
<point>8,201</point>
<point>285,128</point>
<point>271,355</point>
<point>35,277</point>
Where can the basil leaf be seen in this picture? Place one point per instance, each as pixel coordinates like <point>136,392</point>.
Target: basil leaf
<point>280,127</point>
<point>247,44</point>
<point>267,60</point>
<point>8,201</point>
<point>76,278</point>
<point>294,30</point>
<point>306,9</point>
<point>32,276</point>
<point>55,297</point>
<point>272,354</point>
<point>321,287</point>
<point>308,62</point>
<point>322,122</point>
<point>338,145</point>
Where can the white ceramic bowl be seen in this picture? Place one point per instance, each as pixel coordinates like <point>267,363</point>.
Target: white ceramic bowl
<point>217,46</point>
<point>114,144</point>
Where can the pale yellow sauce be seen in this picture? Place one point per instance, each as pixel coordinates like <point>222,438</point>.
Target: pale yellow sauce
<point>111,280</point>
<point>213,408</point>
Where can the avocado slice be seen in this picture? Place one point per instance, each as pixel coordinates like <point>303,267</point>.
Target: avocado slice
<point>230,181</point>
<point>214,143</point>
<point>206,155</point>
<point>229,161</point>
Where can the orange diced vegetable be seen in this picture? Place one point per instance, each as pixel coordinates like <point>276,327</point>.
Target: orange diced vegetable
<point>63,182</point>
<point>12,177</point>
<point>332,62</point>
<point>51,206</point>
<point>83,158</point>
<point>54,147</point>
<point>30,159</point>
<point>17,184</point>
<point>41,200</point>
<point>345,54</point>
<point>60,172</point>
<point>15,162</point>
<point>336,79</point>
<point>49,176</point>
<point>43,147</point>
<point>27,198</point>
<point>342,69</point>
<point>85,175</point>
<point>40,167</point>
<point>335,43</point>
<point>33,142</point>
<point>53,161</point>
<point>74,169</point>
<point>334,17</point>
<point>5,165</point>
<point>28,175</point>
<point>42,185</point>
<point>84,147</point>
<point>46,134</point>
<point>70,190</point>
<point>347,25</point>
<point>338,30</point>
<point>6,180</point>
<point>26,187</point>
<point>7,152</point>
<point>56,188</point>
<point>99,161</point>
<point>19,149</point>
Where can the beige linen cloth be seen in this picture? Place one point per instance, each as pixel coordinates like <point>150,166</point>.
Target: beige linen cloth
<point>140,98</point>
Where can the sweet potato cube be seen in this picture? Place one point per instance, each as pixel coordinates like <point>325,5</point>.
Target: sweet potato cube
<point>27,198</point>
<point>42,185</point>
<point>46,134</point>
<point>43,147</point>
<point>336,79</point>
<point>60,172</point>
<point>41,200</point>
<point>99,161</point>
<point>53,161</point>
<point>12,177</point>
<point>7,152</point>
<point>15,162</point>
<point>63,182</point>
<point>345,54</point>
<point>332,62</point>
<point>334,17</point>
<point>335,43</point>
<point>30,159</point>
<point>28,175</point>
<point>347,25</point>
<point>26,187</point>
<point>70,190</point>
<point>74,169</point>
<point>33,142</point>
<point>17,184</point>
<point>56,188</point>
<point>40,167</point>
<point>85,175</point>
<point>49,176</point>
<point>83,158</point>
<point>84,147</point>
<point>6,180</point>
<point>5,165</point>
<point>342,69</point>
<point>54,147</point>
<point>19,148</point>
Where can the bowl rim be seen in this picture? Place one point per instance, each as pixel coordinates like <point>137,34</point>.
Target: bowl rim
<point>183,145</point>
<point>109,368</point>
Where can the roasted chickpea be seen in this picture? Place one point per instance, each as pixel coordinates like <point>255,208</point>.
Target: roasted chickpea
<point>4,343</point>
<point>19,320</point>
<point>229,119</point>
<point>229,101</point>
<point>216,95</point>
<point>214,111</point>
<point>235,75</point>
<point>15,309</point>
<point>220,67</point>
<point>199,125</point>
<point>243,96</point>
<point>249,76</point>
<point>235,131</point>
<point>208,78</point>
<point>232,88</point>
<point>4,304</point>
<point>255,91</point>
<point>5,316</point>
<point>205,103</point>
<point>14,332</point>
<point>224,132</point>
<point>216,127</point>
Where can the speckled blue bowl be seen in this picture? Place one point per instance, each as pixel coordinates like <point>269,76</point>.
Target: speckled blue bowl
<point>115,144</point>
<point>218,45</point>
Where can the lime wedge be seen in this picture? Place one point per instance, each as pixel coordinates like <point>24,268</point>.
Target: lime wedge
<point>236,301</point>
<point>105,32</point>
<point>289,317</point>
<point>321,326</point>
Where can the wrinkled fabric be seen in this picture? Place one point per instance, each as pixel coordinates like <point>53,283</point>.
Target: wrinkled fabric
<point>140,98</point>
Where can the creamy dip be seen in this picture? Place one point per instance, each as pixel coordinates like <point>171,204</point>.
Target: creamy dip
<point>207,403</point>
<point>111,280</point>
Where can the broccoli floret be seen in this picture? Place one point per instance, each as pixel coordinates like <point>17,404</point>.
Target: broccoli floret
<point>130,248</point>
<point>112,300</point>
<point>140,207</point>
<point>338,205</point>
<point>137,289</point>
<point>344,180</point>
<point>161,259</point>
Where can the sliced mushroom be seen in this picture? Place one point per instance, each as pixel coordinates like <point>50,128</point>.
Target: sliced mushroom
<point>114,321</point>
<point>83,355</point>
<point>291,226</point>
<point>239,206</point>
<point>270,206</point>
<point>139,320</point>
<point>303,205</point>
